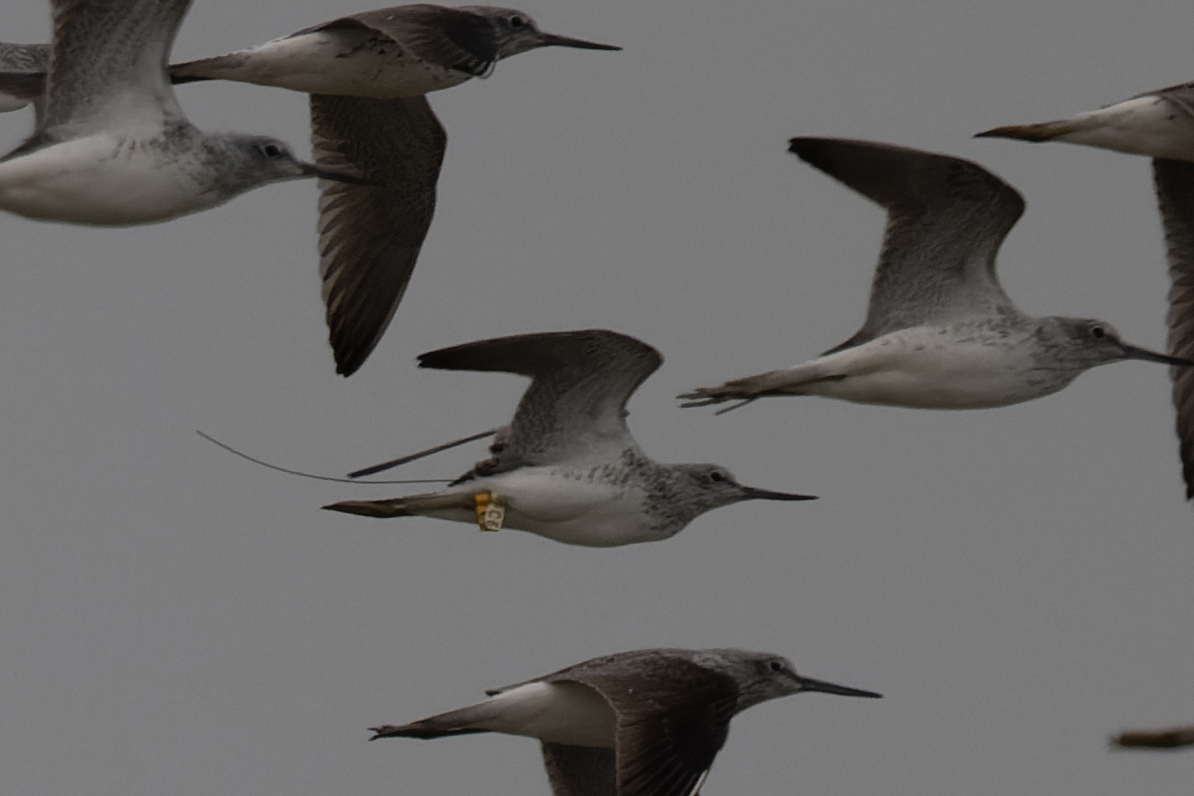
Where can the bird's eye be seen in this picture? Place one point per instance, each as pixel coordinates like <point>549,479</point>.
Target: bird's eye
<point>717,476</point>
<point>271,151</point>
<point>776,666</point>
<point>1099,332</point>
<point>516,22</point>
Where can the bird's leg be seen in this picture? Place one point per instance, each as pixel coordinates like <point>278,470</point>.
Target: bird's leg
<point>490,513</point>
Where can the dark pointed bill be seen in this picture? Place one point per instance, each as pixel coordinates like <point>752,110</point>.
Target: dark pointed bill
<point>1132,352</point>
<point>351,179</point>
<point>809,684</point>
<point>752,493</point>
<point>552,40</point>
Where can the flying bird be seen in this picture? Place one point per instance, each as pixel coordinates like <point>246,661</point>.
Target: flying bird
<point>940,333</point>
<point>643,723</point>
<point>567,467</point>
<point>1160,125</point>
<point>367,75</point>
<point>112,147</point>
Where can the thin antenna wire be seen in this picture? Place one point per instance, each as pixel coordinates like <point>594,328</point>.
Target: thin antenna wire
<point>377,468</point>
<point>230,449</point>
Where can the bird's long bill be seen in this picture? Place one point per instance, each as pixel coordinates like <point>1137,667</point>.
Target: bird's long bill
<point>1132,352</point>
<point>752,493</point>
<point>809,684</point>
<point>351,179</point>
<point>552,40</point>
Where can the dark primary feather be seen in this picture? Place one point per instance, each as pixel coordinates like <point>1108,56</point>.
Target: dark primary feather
<point>580,770</point>
<point>576,402</point>
<point>442,35</point>
<point>370,237</point>
<point>673,717</point>
<point>104,47</point>
<point>946,219</point>
<point>1175,197</point>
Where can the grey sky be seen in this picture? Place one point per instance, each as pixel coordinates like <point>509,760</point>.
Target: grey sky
<point>1015,581</point>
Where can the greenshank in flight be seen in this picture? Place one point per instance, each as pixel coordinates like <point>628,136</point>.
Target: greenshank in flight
<point>643,723</point>
<point>567,466</point>
<point>112,146</point>
<point>367,75</point>
<point>940,333</point>
<point>1159,124</point>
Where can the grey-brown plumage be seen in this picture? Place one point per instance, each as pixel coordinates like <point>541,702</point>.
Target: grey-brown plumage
<point>940,333</point>
<point>1175,198</point>
<point>567,466</point>
<point>112,147</point>
<point>367,74</point>
<point>1158,124</point>
<point>663,716</point>
<point>369,238</point>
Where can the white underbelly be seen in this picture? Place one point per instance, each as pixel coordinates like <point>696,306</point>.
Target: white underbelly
<point>920,371</point>
<point>98,180</point>
<point>572,510</point>
<point>1142,126</point>
<point>564,713</point>
<point>326,63</point>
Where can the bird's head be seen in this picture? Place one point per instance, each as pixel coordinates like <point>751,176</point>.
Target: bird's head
<point>516,32</point>
<point>763,675</point>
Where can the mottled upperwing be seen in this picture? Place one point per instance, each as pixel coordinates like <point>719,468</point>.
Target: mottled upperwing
<point>576,403</point>
<point>946,218</point>
<point>1175,197</point>
<point>370,236</point>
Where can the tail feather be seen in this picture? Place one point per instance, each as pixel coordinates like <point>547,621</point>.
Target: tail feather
<point>407,506</point>
<point>394,507</point>
<point>419,729</point>
<point>1045,131</point>
<point>463,721</point>
<point>205,68</point>
<point>786,381</point>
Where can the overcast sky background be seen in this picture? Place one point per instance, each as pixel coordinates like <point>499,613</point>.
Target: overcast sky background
<point>1016,581</point>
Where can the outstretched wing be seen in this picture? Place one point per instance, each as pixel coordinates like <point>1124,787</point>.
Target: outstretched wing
<point>369,236</point>
<point>1175,198</point>
<point>580,770</point>
<point>109,60</point>
<point>576,403</point>
<point>946,219</point>
<point>673,718</point>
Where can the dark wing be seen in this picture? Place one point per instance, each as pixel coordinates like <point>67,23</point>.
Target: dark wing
<point>369,237</point>
<point>946,219</point>
<point>579,770</point>
<point>1175,197</point>
<point>673,717</point>
<point>576,403</point>
<point>23,70</point>
<point>451,37</point>
<point>109,56</point>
